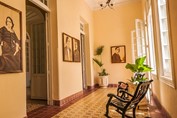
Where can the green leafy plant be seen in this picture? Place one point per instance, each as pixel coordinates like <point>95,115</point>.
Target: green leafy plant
<point>98,53</point>
<point>139,69</point>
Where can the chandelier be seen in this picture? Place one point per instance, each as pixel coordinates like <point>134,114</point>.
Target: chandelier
<point>107,4</point>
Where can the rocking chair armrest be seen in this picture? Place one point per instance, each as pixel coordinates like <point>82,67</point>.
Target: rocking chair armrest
<point>126,92</point>
<point>117,97</point>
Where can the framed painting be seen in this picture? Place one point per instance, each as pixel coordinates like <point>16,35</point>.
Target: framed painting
<point>10,39</point>
<point>118,54</point>
<point>67,48</point>
<point>76,50</point>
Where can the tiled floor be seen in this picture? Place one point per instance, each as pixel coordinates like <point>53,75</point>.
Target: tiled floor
<point>93,106</point>
<point>49,111</point>
<point>33,104</point>
<point>90,106</point>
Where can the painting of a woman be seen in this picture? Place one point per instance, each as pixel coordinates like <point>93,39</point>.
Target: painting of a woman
<point>118,54</point>
<point>76,50</point>
<point>9,48</point>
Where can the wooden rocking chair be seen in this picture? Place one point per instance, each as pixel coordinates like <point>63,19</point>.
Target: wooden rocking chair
<point>122,105</point>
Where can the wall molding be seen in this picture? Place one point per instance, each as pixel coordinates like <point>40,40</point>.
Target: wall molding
<point>160,107</point>
<point>68,99</point>
<point>92,87</point>
<point>113,85</point>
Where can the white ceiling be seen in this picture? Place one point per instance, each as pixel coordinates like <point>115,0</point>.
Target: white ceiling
<point>95,4</point>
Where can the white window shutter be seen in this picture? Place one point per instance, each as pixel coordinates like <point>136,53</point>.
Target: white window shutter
<point>138,40</point>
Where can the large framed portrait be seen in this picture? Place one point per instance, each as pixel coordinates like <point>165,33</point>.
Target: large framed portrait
<point>10,39</point>
<point>118,54</point>
<point>76,50</point>
<point>67,47</point>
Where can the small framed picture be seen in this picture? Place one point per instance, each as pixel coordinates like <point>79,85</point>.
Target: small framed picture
<point>118,54</point>
<point>76,50</point>
<point>67,47</point>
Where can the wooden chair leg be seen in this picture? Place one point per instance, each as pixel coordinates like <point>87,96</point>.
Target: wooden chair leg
<point>123,114</point>
<point>107,108</point>
<point>134,114</point>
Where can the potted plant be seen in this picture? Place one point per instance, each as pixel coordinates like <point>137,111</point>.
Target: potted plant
<point>103,75</point>
<point>139,69</point>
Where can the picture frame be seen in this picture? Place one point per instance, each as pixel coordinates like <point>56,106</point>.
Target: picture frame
<point>76,50</point>
<point>67,48</point>
<point>118,54</point>
<point>10,39</point>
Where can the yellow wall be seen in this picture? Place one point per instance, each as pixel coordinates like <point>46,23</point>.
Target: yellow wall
<point>13,86</point>
<point>112,27</point>
<point>69,14</point>
<point>167,95</point>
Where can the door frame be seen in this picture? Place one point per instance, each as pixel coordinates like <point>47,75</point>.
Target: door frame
<point>46,9</point>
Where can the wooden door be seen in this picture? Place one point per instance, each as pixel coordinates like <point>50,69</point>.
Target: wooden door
<point>39,74</point>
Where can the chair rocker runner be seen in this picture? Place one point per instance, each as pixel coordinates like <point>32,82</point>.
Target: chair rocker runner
<point>123,104</point>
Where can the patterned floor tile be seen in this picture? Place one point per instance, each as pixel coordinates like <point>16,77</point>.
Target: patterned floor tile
<point>93,106</point>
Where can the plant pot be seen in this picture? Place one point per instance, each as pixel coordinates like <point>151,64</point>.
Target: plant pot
<point>103,81</point>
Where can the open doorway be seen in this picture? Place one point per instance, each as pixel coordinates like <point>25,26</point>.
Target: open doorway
<point>36,61</point>
<point>85,54</point>
<point>84,84</point>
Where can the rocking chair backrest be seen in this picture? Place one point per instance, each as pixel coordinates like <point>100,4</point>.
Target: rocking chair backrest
<point>122,86</point>
<point>139,94</point>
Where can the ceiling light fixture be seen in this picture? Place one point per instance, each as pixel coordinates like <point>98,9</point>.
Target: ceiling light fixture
<point>108,3</point>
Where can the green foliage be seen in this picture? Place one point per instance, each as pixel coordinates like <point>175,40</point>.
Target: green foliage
<point>98,53</point>
<point>99,50</point>
<point>139,66</point>
<point>99,63</point>
<point>103,72</point>
<point>139,69</point>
